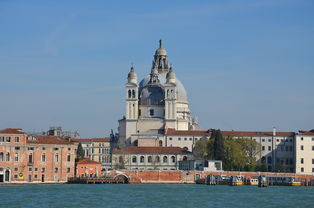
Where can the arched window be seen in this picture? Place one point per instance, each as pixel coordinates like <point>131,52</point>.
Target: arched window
<point>30,158</point>
<point>185,149</point>
<point>133,93</point>
<point>157,159</point>
<point>134,159</point>
<point>1,156</point>
<point>185,158</point>
<point>43,157</point>
<point>173,159</point>
<point>16,157</point>
<point>160,143</point>
<point>142,159</point>
<point>56,158</point>
<point>129,93</point>
<point>8,156</point>
<point>263,159</point>
<point>165,159</point>
<point>149,159</point>
<point>69,158</point>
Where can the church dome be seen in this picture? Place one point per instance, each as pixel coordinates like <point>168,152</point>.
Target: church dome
<point>171,76</point>
<point>132,77</point>
<point>152,95</point>
<point>181,92</point>
<point>161,52</point>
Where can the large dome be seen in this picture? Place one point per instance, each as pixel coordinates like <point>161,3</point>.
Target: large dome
<point>181,92</point>
<point>152,95</point>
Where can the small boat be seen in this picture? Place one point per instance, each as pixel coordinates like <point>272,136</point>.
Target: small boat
<point>222,180</point>
<point>251,181</point>
<point>236,181</point>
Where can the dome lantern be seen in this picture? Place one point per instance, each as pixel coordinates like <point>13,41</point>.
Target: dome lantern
<point>132,77</point>
<point>171,76</point>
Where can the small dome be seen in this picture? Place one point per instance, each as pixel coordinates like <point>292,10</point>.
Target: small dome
<point>161,52</point>
<point>152,95</point>
<point>132,77</point>
<point>171,76</point>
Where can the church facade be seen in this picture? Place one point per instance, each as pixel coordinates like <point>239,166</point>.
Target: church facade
<point>157,103</point>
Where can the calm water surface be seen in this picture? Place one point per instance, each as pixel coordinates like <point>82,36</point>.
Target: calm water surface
<point>153,195</point>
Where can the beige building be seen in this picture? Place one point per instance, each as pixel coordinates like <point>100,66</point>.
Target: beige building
<point>304,152</point>
<point>97,149</point>
<point>149,158</point>
<point>277,148</point>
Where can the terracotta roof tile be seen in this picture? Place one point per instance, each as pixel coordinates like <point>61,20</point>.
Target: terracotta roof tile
<point>190,132</point>
<point>44,139</point>
<point>87,161</point>
<point>150,150</point>
<point>310,133</point>
<point>12,131</point>
<point>255,133</point>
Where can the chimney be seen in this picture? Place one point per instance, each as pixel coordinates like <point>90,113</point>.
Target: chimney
<point>274,131</point>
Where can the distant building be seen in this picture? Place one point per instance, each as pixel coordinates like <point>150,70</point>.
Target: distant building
<point>35,158</point>
<point>201,165</point>
<point>97,149</point>
<point>149,158</point>
<point>277,148</point>
<point>304,148</point>
<point>88,168</point>
<point>57,131</point>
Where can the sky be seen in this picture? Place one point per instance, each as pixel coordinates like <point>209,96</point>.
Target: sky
<point>246,65</point>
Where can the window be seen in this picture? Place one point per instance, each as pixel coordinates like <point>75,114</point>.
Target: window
<point>139,112</point>
<point>263,148</point>
<point>43,157</point>
<point>8,139</point>
<point>301,138</point>
<point>190,139</point>
<point>157,159</point>
<point>269,148</point>
<point>69,158</point>
<point>1,139</point>
<point>142,159</point>
<point>302,169</point>
<point>69,149</point>
<point>43,170</point>
<point>312,161</point>
<point>185,139</point>
<point>160,143</point>
<point>36,176</point>
<point>269,140</point>
<point>16,157</point>
<point>134,159</point>
<point>56,158</point>
<point>15,176</point>
<point>263,140</point>
<point>173,159</point>
<point>264,160</point>
<point>36,169</point>
<point>16,169</point>
<point>43,148</point>
<point>129,93</point>
<point>68,170</point>
<point>195,139</point>
<point>165,159</point>
<point>312,138</point>
<point>56,148</point>
<point>17,139</point>
<point>312,170</point>
<point>149,159</point>
<point>8,156</point>
<point>1,156</point>
<point>170,138</point>
<point>302,160</point>
<point>312,148</point>
<point>179,139</point>
<point>302,147</point>
<point>151,112</point>
<point>30,158</point>
<point>277,140</point>
<point>56,170</point>
<point>185,158</point>
<point>30,148</point>
<point>30,169</point>
<point>17,148</point>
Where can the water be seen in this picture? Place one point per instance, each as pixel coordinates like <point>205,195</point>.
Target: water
<point>153,195</point>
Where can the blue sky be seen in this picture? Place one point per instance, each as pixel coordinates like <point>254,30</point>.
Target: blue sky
<point>246,65</point>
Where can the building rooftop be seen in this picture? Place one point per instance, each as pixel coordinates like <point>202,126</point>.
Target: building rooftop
<point>12,131</point>
<point>44,139</point>
<point>105,139</point>
<point>255,133</point>
<point>190,132</point>
<point>150,150</point>
<point>87,161</point>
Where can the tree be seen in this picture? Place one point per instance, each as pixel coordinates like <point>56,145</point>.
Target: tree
<point>218,146</point>
<point>203,149</point>
<point>80,152</point>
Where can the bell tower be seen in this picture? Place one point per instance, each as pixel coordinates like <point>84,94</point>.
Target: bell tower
<point>170,100</point>
<point>131,89</point>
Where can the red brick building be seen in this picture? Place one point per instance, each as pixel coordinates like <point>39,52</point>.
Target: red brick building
<point>35,158</point>
<point>88,168</point>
